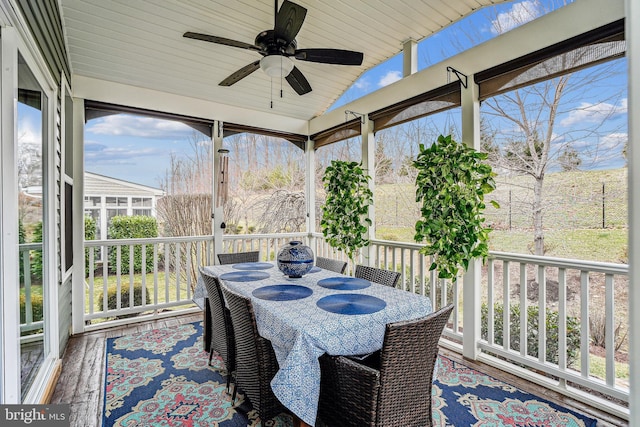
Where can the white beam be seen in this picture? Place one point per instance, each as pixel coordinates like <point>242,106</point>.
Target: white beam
<point>9,265</point>
<point>632,26</point>
<point>566,22</point>
<point>369,165</point>
<point>121,94</point>
<point>77,285</point>
<point>409,57</point>
<point>472,277</point>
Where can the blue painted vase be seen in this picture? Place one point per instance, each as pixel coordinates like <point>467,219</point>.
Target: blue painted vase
<point>295,259</point>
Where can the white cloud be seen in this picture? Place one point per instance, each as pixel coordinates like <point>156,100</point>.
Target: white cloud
<point>593,113</point>
<point>97,153</point>
<point>390,77</point>
<point>144,127</point>
<point>362,84</point>
<point>614,140</point>
<point>520,13</point>
<point>28,134</point>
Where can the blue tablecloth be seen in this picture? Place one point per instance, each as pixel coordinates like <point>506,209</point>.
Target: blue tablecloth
<point>300,331</point>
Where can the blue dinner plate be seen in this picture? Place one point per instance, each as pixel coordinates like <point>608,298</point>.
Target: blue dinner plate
<point>344,283</point>
<point>315,269</point>
<point>351,304</point>
<point>253,266</point>
<point>244,276</point>
<point>282,292</point>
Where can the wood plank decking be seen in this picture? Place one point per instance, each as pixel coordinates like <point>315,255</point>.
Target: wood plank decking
<point>82,377</point>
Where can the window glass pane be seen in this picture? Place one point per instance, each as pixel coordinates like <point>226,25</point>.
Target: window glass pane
<point>141,202</point>
<point>144,212</point>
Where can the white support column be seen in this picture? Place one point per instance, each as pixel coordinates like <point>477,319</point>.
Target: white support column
<point>218,211</point>
<point>369,165</point>
<point>409,57</point>
<point>472,278</point>
<point>9,277</point>
<point>78,288</point>
<point>632,27</point>
<point>310,190</point>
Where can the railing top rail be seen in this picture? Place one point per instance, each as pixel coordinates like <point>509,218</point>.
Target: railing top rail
<point>30,246</point>
<point>576,264</point>
<point>263,236</point>
<point>146,241</point>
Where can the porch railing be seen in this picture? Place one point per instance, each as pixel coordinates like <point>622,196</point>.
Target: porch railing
<point>561,304</point>
<point>31,310</point>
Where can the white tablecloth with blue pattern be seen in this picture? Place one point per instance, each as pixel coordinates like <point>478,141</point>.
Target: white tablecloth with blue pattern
<point>300,332</point>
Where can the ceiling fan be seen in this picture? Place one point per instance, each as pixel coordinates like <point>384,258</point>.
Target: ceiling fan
<point>278,45</point>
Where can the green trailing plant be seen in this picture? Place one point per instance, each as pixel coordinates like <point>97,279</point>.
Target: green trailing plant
<point>451,184</point>
<point>132,227</point>
<point>345,212</point>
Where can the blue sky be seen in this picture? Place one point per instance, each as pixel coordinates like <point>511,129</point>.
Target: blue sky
<point>138,149</point>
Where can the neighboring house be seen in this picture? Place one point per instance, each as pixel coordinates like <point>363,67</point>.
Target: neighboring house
<point>106,197</point>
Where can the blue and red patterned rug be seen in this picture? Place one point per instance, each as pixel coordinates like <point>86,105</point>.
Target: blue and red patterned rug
<point>161,378</point>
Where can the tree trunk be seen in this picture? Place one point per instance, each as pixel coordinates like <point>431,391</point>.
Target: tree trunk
<point>538,232</point>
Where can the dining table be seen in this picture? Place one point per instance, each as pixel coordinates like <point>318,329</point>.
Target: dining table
<point>320,312</point>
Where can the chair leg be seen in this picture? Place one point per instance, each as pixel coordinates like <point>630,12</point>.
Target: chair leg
<point>210,356</point>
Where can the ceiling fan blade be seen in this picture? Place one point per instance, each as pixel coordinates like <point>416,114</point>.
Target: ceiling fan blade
<point>289,20</point>
<point>220,40</point>
<point>330,56</point>
<point>298,82</point>
<point>240,74</point>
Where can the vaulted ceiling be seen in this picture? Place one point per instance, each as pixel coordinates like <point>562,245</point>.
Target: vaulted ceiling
<point>140,43</point>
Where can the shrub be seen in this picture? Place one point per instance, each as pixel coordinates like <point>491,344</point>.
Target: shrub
<point>36,255</point>
<point>112,297</point>
<point>132,227</point>
<point>90,229</point>
<point>21,239</point>
<point>573,331</point>
<point>36,307</point>
<point>36,312</point>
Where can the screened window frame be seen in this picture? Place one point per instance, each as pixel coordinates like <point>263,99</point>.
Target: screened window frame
<point>508,76</point>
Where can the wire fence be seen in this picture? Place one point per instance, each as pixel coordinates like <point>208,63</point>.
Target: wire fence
<point>571,200</point>
<point>570,204</point>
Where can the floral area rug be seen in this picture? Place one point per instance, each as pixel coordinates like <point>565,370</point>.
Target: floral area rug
<point>162,378</point>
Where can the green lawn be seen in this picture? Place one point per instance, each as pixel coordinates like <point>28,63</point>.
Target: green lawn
<point>137,281</point>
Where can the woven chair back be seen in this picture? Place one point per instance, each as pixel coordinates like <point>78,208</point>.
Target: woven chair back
<point>331,264</point>
<point>234,258</point>
<point>377,275</point>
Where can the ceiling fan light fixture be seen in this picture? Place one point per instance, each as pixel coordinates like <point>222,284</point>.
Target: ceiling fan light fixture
<point>276,65</point>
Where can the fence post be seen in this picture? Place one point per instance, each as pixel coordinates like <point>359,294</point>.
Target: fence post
<point>603,206</point>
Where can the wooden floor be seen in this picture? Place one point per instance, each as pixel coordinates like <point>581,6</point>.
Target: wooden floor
<point>82,378</point>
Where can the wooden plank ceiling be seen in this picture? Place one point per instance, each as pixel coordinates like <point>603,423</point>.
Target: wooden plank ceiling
<point>140,43</point>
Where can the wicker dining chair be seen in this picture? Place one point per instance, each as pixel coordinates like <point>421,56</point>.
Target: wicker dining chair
<point>377,275</point>
<point>391,388</point>
<point>222,337</point>
<point>331,264</point>
<point>256,363</point>
<point>233,258</point>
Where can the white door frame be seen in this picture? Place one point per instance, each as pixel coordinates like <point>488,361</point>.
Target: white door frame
<point>16,39</point>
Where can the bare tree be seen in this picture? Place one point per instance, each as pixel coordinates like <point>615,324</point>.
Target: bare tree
<point>550,126</point>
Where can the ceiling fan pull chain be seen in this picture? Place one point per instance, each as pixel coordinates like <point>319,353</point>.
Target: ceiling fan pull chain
<point>271,92</point>
<point>281,76</point>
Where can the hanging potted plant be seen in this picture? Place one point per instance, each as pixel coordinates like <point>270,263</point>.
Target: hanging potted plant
<point>451,184</point>
<point>345,212</point>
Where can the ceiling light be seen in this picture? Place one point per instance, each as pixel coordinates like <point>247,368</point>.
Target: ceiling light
<point>276,65</point>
